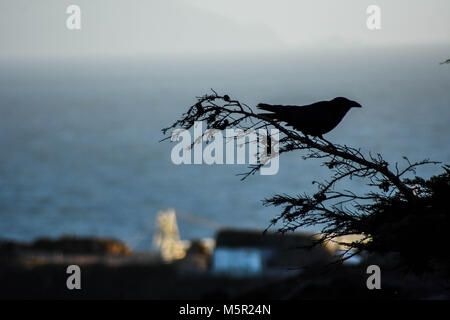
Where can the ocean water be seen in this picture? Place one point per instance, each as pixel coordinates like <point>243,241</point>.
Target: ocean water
<point>80,150</point>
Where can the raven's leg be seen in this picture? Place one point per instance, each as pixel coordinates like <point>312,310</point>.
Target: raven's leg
<point>322,138</point>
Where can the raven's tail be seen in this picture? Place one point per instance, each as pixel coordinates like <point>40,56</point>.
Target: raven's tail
<point>268,107</point>
<point>265,106</point>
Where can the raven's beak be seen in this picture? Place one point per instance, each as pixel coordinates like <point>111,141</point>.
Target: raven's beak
<point>356,105</point>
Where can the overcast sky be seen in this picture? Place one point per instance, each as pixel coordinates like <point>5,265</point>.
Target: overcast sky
<point>191,27</point>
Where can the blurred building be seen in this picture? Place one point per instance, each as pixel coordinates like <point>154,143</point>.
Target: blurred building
<point>167,239</point>
<point>243,252</point>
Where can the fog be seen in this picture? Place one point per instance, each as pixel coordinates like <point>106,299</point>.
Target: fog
<point>201,27</point>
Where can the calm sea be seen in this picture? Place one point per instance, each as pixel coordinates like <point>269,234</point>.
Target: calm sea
<point>79,139</point>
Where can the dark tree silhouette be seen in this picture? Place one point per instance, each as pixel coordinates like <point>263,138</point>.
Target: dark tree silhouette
<point>401,213</point>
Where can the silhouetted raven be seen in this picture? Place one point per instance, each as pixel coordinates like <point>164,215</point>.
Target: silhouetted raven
<point>314,119</point>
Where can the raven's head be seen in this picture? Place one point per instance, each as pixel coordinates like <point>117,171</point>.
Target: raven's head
<point>346,102</point>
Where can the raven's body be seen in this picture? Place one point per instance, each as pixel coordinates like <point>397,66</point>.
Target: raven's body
<point>315,119</point>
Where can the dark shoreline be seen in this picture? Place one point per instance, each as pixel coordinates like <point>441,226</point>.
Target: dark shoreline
<point>110,270</point>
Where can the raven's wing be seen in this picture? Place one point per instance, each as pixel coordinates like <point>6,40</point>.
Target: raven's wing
<point>299,117</point>
<point>281,109</point>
